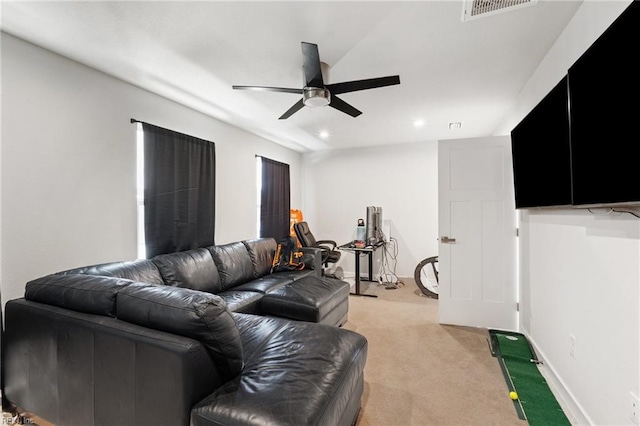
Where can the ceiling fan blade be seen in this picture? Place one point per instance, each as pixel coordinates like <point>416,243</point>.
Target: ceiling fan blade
<point>269,89</point>
<point>311,65</point>
<point>296,107</point>
<point>341,105</point>
<point>370,83</point>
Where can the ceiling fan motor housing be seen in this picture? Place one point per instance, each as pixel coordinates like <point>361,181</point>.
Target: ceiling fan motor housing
<point>315,97</point>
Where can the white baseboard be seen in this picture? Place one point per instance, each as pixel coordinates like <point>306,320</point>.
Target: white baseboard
<point>567,401</point>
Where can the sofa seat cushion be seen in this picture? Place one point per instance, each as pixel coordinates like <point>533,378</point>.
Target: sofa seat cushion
<point>242,301</point>
<point>190,313</point>
<point>265,284</point>
<point>296,275</point>
<point>295,374</point>
<point>192,269</point>
<point>322,300</point>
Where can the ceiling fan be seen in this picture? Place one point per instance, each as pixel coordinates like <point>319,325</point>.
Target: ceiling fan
<point>316,93</point>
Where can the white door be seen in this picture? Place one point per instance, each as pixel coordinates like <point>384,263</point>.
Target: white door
<point>477,226</point>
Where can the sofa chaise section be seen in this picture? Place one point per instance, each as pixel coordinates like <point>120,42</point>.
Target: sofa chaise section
<point>296,373</point>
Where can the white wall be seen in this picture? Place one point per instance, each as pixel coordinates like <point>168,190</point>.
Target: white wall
<point>68,165</point>
<point>582,280</point>
<point>580,271</point>
<point>402,179</point>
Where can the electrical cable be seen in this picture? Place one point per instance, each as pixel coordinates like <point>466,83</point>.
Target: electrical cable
<point>627,211</point>
<point>387,273</point>
<point>614,210</point>
<point>590,210</point>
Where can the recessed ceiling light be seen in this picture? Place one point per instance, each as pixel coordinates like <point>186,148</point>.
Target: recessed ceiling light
<point>324,134</point>
<point>418,123</point>
<point>455,125</point>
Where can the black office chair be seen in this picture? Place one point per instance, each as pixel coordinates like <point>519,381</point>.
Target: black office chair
<point>329,252</point>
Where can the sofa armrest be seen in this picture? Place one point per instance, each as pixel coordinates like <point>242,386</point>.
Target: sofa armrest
<point>330,243</point>
<point>69,367</point>
<point>313,259</point>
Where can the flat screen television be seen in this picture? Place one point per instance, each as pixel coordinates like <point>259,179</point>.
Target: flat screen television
<point>604,91</point>
<point>541,153</point>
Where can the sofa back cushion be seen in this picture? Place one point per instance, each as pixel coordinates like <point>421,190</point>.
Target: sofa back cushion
<point>191,313</point>
<point>82,293</point>
<point>233,263</point>
<point>142,270</point>
<point>192,269</point>
<point>261,252</point>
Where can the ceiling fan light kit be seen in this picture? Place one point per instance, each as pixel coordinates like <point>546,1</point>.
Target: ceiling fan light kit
<point>316,97</point>
<point>316,93</point>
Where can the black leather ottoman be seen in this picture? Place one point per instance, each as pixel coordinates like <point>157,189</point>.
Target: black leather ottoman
<point>324,302</point>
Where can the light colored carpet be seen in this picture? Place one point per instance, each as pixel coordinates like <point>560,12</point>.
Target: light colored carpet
<point>421,373</point>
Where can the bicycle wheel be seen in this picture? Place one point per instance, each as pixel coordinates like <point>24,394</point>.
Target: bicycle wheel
<point>426,276</point>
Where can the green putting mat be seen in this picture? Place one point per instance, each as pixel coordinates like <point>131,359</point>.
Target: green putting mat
<point>534,400</point>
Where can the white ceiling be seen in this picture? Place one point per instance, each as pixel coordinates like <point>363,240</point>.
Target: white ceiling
<point>193,52</point>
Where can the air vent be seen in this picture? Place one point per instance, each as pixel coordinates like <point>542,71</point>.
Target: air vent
<point>473,9</point>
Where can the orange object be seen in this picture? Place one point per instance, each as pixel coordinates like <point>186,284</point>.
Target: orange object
<point>295,216</point>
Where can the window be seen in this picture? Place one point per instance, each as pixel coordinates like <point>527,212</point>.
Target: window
<point>258,193</point>
<point>141,249</point>
<point>176,191</point>
<point>274,198</point>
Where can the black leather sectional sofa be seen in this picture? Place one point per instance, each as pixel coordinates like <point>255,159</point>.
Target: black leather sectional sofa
<point>202,337</point>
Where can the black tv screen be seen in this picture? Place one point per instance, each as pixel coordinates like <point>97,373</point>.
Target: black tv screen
<point>604,92</point>
<point>541,153</point>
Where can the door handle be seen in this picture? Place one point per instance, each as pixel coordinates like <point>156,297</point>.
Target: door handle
<point>447,240</point>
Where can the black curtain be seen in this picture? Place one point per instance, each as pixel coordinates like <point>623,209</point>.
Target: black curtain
<point>179,191</point>
<point>275,199</point>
